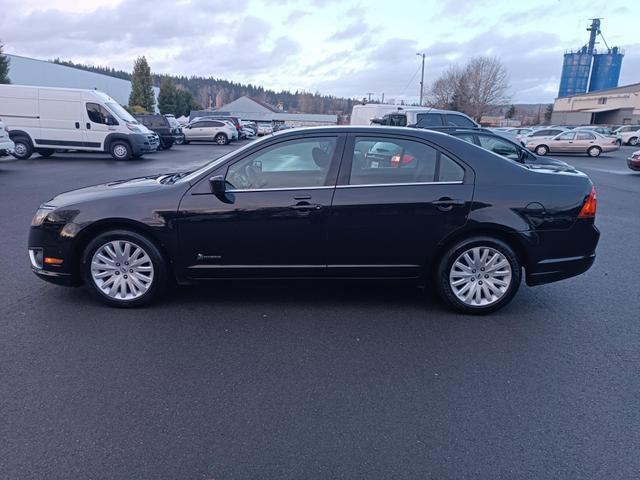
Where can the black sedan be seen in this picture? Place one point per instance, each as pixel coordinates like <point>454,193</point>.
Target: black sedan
<point>331,202</point>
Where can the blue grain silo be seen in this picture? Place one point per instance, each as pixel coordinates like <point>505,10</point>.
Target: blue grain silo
<point>575,72</point>
<point>605,72</point>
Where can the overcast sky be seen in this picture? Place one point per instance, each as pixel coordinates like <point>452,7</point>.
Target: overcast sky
<point>340,47</point>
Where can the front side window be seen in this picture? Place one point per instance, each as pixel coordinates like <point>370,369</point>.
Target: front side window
<point>459,121</point>
<point>98,114</point>
<point>293,164</point>
<point>499,146</point>
<point>566,136</point>
<point>429,120</point>
<point>382,161</point>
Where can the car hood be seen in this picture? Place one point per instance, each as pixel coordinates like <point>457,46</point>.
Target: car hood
<point>106,190</point>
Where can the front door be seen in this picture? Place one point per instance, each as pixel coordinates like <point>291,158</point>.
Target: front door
<point>396,198</point>
<point>272,218</point>
<point>98,123</point>
<point>563,143</point>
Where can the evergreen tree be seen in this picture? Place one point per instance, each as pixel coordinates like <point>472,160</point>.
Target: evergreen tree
<point>4,68</point>
<point>141,85</point>
<point>511,111</point>
<point>167,98</point>
<point>547,113</point>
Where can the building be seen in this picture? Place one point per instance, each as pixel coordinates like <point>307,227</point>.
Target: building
<point>615,106</point>
<point>250,109</point>
<point>587,70</point>
<point>41,73</point>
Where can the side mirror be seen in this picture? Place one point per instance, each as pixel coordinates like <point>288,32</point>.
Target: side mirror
<point>522,155</point>
<point>218,185</point>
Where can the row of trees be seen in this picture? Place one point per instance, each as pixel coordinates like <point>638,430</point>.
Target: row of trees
<point>4,67</point>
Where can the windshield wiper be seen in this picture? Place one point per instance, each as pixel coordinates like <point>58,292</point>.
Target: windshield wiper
<point>171,178</point>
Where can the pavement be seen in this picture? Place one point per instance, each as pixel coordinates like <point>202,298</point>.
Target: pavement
<point>316,380</point>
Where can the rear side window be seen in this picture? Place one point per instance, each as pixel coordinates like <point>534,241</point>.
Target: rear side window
<point>459,121</point>
<point>429,120</point>
<point>384,161</point>
<point>499,146</point>
<point>214,124</point>
<point>585,136</point>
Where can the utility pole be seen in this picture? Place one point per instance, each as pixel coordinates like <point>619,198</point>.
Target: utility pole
<point>382,97</point>
<point>370,93</point>
<point>423,55</point>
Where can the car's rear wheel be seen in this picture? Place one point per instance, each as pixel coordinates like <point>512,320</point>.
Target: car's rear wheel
<point>542,150</point>
<point>22,148</point>
<point>478,275</point>
<point>124,269</point>
<point>594,151</point>
<point>221,139</point>
<point>633,141</point>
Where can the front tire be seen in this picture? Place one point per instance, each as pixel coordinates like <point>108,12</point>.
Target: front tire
<point>221,139</point>
<point>542,150</point>
<point>22,148</point>
<point>478,276</point>
<point>121,150</point>
<point>594,151</point>
<point>124,269</point>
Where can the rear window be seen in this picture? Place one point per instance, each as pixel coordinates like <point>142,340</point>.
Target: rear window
<point>429,120</point>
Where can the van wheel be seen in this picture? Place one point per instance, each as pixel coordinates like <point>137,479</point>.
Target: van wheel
<point>124,269</point>
<point>542,150</point>
<point>221,139</point>
<point>23,148</point>
<point>633,141</point>
<point>45,152</point>
<point>121,150</point>
<point>594,151</point>
<point>478,275</point>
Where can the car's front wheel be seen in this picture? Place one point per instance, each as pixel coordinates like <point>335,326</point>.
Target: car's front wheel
<point>121,150</point>
<point>542,150</point>
<point>124,269</point>
<point>478,275</point>
<point>221,139</point>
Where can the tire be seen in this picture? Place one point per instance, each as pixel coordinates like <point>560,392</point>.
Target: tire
<point>541,150</point>
<point>453,281</point>
<point>594,151</point>
<point>142,288</point>
<point>23,148</point>
<point>633,141</point>
<point>167,145</point>
<point>221,139</point>
<point>185,142</point>
<point>121,150</point>
<point>179,141</point>
<point>45,152</point>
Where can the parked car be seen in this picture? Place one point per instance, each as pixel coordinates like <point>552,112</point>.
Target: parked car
<point>456,217</point>
<point>42,119</point>
<point>629,134</point>
<point>543,133</point>
<point>506,147</point>
<point>573,141</point>
<point>633,162</point>
<point>235,122</point>
<point>426,118</point>
<point>6,145</point>
<point>604,131</point>
<point>176,129</point>
<point>208,130</point>
<point>160,125</point>
<point>264,128</point>
<point>365,114</point>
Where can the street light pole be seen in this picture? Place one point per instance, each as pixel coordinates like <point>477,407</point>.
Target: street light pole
<point>423,55</point>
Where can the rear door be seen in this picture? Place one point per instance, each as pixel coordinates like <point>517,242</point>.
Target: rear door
<point>389,213</point>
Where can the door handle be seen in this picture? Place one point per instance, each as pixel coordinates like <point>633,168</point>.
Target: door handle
<point>77,124</point>
<point>446,203</point>
<point>305,206</point>
<point>88,126</point>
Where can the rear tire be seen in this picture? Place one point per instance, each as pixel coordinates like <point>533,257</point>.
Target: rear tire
<point>633,141</point>
<point>490,279</point>
<point>594,151</point>
<point>140,281</point>
<point>23,148</point>
<point>121,150</point>
<point>541,150</point>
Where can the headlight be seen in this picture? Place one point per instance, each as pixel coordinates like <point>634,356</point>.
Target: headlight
<point>133,128</point>
<point>40,215</point>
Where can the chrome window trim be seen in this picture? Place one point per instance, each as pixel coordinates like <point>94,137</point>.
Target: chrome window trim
<point>324,187</point>
<point>458,182</point>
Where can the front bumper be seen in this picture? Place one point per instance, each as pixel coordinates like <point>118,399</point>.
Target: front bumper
<point>634,163</point>
<point>144,143</point>
<point>45,241</point>
<point>6,147</point>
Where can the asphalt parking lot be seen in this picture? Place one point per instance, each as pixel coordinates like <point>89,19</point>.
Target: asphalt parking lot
<point>316,380</point>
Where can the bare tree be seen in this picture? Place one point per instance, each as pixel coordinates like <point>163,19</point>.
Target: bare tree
<point>483,81</point>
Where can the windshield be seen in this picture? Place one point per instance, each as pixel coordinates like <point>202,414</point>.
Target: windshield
<point>121,113</point>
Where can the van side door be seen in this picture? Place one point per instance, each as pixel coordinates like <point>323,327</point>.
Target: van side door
<point>60,120</point>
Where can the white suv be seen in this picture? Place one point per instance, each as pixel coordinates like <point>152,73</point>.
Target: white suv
<point>629,134</point>
<point>6,145</point>
<point>203,130</point>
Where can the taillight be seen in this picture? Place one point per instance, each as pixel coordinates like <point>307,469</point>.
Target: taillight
<point>588,209</point>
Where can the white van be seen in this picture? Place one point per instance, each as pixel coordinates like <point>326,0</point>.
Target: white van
<point>363,114</point>
<point>42,119</point>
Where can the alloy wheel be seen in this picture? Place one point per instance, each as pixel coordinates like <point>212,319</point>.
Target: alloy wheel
<point>480,276</point>
<point>122,270</point>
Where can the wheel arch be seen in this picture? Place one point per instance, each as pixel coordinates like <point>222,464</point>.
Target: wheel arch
<point>91,231</point>
<point>112,137</point>
<point>20,133</point>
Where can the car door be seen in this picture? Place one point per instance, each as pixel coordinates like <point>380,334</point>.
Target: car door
<point>562,143</point>
<point>389,213</point>
<point>583,141</point>
<point>98,123</point>
<point>272,218</point>
<point>195,131</point>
